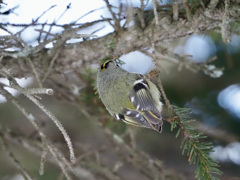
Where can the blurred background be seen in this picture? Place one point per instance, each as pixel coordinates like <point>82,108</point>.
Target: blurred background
<point>214,98</point>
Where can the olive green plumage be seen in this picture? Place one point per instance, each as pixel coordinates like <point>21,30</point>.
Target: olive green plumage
<point>129,97</point>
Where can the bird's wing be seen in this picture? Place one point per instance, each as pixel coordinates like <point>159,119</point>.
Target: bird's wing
<point>136,118</point>
<point>143,101</point>
<point>146,113</point>
<point>140,96</point>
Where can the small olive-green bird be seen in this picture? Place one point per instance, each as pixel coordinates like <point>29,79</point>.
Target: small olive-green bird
<point>129,97</point>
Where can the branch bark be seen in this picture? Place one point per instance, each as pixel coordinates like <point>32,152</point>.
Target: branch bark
<point>80,55</point>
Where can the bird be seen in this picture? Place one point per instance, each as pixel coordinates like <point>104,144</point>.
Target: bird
<point>129,97</point>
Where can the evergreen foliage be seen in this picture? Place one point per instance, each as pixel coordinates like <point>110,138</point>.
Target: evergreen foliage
<point>195,147</point>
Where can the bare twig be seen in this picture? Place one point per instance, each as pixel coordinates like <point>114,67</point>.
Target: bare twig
<point>155,12</point>
<point>40,34</point>
<point>141,15</point>
<point>115,19</point>
<point>74,22</point>
<point>35,72</point>
<point>45,141</point>
<point>175,10</point>
<point>43,158</point>
<point>187,10</point>
<point>44,12</point>
<point>13,159</point>
<point>28,144</point>
<point>35,91</point>
<point>14,84</point>
<point>225,24</point>
<point>51,65</point>
<point>167,102</point>
<point>216,133</point>
<point>67,8</point>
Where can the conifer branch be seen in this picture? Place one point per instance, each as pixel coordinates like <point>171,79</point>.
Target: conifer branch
<point>195,146</point>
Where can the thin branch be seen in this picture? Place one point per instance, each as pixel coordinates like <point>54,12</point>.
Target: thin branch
<point>167,102</point>
<point>58,124</point>
<point>40,34</point>
<point>35,72</point>
<point>115,19</point>
<point>34,91</point>
<point>51,65</point>
<point>13,159</point>
<point>216,133</point>
<point>15,85</point>
<point>32,146</point>
<point>175,10</point>
<point>44,12</point>
<point>43,158</point>
<point>67,8</point>
<point>74,22</point>
<point>225,28</point>
<point>187,10</point>
<point>44,139</point>
<point>141,14</point>
<point>154,2</point>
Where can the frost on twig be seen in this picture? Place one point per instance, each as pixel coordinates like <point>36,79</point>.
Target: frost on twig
<point>29,93</point>
<point>65,166</point>
<point>44,139</point>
